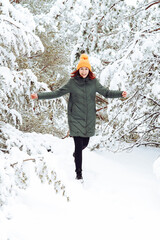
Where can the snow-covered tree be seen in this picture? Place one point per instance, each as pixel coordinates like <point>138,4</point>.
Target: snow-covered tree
<point>17,39</point>
<point>24,156</point>
<point>19,47</point>
<point>136,69</point>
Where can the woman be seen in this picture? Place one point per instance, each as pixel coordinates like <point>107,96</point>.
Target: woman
<point>82,88</point>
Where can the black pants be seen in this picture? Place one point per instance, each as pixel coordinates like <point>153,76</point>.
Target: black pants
<point>80,144</point>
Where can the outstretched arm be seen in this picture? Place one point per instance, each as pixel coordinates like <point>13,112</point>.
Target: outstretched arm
<point>54,94</point>
<point>109,93</point>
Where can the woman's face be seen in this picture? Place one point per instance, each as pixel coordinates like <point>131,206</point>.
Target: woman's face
<point>84,71</point>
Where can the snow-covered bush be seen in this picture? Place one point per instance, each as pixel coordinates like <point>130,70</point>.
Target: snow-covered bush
<point>22,156</point>
<point>15,90</point>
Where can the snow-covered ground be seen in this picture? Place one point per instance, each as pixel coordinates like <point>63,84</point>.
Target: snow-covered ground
<point>120,198</point>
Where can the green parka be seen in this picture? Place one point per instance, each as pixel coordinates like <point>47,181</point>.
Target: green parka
<point>81,105</point>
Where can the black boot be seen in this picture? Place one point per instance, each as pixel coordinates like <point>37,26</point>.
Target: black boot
<point>79,175</point>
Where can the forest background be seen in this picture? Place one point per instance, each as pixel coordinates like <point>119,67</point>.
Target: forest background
<point>40,44</point>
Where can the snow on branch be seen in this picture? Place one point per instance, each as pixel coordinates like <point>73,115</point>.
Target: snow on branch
<point>43,172</point>
<point>138,10</point>
<point>145,129</point>
<point>27,160</point>
<point>22,41</point>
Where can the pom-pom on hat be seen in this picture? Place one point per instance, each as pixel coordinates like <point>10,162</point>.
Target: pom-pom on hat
<point>84,62</point>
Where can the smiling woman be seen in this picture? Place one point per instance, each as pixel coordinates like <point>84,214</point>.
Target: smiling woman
<point>84,68</point>
<point>83,71</point>
<point>82,88</point>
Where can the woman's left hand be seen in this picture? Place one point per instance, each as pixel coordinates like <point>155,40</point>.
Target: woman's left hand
<point>124,94</point>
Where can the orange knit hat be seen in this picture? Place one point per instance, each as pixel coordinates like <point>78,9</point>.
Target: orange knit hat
<point>84,62</point>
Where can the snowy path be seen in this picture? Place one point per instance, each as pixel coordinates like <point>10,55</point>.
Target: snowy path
<point>119,199</point>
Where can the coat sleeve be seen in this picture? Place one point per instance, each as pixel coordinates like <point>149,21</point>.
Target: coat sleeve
<point>106,92</point>
<point>55,94</point>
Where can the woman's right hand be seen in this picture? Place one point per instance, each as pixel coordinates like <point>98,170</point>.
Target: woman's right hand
<point>34,96</point>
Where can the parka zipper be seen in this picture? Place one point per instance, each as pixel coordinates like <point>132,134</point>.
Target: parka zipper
<point>86,105</point>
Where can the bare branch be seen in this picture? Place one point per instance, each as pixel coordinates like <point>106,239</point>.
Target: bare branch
<point>154,101</point>
<point>114,4</point>
<point>66,135</point>
<point>38,55</point>
<point>126,101</point>
<point>152,5</point>
<point>157,144</point>
<point>97,110</point>
<point>16,1</point>
<point>45,67</point>
<point>25,160</point>
<point>101,99</point>
<point>11,23</point>
<point>4,150</point>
